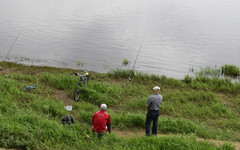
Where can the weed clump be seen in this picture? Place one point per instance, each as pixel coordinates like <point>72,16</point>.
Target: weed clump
<point>225,70</point>
<point>125,62</point>
<point>212,84</point>
<point>119,73</point>
<point>230,70</point>
<point>209,71</point>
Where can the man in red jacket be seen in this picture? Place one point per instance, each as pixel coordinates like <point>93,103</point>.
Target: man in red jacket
<point>101,121</point>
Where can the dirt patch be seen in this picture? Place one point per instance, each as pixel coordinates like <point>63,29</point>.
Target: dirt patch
<point>130,133</point>
<point>219,142</point>
<point>65,97</point>
<point>7,70</point>
<point>127,133</point>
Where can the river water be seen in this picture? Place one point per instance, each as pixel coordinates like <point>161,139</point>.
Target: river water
<point>98,35</point>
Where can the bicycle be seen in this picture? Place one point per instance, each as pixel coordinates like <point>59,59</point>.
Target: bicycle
<point>83,81</point>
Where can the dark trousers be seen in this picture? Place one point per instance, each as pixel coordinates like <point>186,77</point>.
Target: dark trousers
<point>152,115</point>
<point>99,134</point>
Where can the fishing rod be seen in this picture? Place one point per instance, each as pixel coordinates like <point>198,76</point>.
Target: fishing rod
<point>129,79</point>
<point>11,47</point>
<point>11,50</point>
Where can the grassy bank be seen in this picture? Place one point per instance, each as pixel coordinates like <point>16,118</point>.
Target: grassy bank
<point>195,107</point>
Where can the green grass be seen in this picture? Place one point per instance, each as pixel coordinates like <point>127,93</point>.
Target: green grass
<point>209,71</point>
<point>194,107</point>
<point>212,84</point>
<point>173,143</point>
<point>125,62</point>
<point>230,70</point>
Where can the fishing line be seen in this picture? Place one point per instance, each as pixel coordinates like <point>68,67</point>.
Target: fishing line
<point>129,79</point>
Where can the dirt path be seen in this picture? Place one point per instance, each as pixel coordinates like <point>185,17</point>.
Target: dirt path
<point>136,133</point>
<point>62,95</point>
<point>219,142</point>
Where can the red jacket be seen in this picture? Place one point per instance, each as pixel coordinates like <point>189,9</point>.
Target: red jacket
<point>100,120</point>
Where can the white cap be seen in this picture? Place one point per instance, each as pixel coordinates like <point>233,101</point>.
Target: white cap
<point>156,88</point>
<point>103,107</point>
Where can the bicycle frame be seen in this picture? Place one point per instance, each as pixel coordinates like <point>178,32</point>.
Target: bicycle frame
<point>83,81</point>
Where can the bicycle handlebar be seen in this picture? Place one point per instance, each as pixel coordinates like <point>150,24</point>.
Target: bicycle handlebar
<point>82,75</point>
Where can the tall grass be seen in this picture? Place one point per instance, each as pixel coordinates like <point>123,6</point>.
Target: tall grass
<point>60,81</point>
<point>226,70</point>
<point>199,107</point>
<point>145,78</point>
<point>230,70</point>
<point>209,71</point>
<point>121,73</point>
<point>212,84</point>
<point>99,93</point>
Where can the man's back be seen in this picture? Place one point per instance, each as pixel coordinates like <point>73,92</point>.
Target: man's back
<point>100,120</point>
<point>155,102</point>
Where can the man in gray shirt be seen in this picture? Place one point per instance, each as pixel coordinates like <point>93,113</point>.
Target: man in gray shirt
<point>153,105</point>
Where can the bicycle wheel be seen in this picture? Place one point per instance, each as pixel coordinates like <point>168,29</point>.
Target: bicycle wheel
<point>78,91</point>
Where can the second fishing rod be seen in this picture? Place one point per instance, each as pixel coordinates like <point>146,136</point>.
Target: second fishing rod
<point>132,71</point>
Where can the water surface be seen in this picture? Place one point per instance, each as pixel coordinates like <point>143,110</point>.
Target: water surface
<point>176,34</point>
